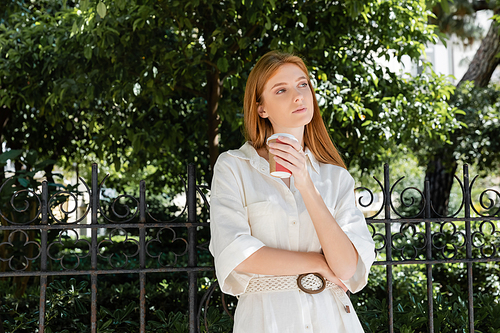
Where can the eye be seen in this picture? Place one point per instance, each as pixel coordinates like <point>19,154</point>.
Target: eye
<point>280,91</point>
<point>303,84</point>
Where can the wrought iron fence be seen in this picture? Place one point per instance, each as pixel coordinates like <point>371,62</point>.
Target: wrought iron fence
<point>413,237</point>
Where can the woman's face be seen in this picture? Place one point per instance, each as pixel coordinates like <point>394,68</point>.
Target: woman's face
<point>287,99</point>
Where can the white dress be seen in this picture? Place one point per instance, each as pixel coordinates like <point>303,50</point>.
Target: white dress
<point>250,209</point>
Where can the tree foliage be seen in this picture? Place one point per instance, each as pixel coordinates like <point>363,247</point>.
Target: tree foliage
<point>159,82</point>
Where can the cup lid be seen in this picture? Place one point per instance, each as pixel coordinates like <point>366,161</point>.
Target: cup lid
<point>276,135</point>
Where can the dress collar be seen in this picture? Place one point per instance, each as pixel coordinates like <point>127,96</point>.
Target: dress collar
<point>248,152</point>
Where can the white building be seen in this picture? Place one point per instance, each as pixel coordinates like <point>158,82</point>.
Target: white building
<point>451,59</point>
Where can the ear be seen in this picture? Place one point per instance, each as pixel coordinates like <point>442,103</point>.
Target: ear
<point>262,113</point>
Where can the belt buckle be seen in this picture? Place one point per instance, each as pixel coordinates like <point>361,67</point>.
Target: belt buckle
<point>300,282</point>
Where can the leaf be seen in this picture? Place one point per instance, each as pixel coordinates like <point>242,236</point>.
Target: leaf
<point>87,52</point>
<point>139,23</point>
<point>23,182</point>
<point>104,311</point>
<point>268,24</point>
<point>445,6</point>
<point>161,315</point>
<point>101,9</point>
<point>121,4</point>
<point>80,307</point>
<point>117,162</point>
<point>31,157</point>
<point>10,155</point>
<point>223,64</point>
<point>74,28</point>
<point>106,324</point>
<point>243,42</point>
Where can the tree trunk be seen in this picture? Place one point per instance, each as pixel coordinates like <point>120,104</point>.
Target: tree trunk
<point>440,176</point>
<point>214,94</point>
<point>442,168</point>
<point>48,173</point>
<point>485,60</point>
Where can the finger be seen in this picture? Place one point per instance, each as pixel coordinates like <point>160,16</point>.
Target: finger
<point>342,285</point>
<point>295,144</point>
<point>289,157</point>
<point>285,148</point>
<point>293,167</point>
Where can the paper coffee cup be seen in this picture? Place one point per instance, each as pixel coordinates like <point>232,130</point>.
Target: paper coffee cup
<point>276,169</point>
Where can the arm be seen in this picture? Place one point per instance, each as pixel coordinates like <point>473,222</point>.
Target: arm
<point>271,261</point>
<point>338,249</point>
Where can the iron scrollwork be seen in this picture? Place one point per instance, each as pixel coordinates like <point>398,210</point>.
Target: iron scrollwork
<point>27,204</point>
<point>443,240</point>
<point>53,199</point>
<point>481,199</point>
<point>75,255</point>
<point>109,239</point>
<point>11,243</point>
<point>125,216</point>
<point>161,253</point>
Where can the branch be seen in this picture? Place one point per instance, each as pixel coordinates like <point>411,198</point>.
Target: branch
<point>226,76</point>
<point>210,63</point>
<point>482,5</point>
<point>249,32</point>
<point>192,91</point>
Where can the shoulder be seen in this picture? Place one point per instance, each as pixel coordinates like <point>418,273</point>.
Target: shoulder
<point>336,175</point>
<point>334,170</point>
<point>236,157</point>
<point>229,160</point>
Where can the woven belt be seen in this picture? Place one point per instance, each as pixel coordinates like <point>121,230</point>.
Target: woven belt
<point>311,283</point>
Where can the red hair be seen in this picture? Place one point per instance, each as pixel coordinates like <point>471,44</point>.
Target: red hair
<point>258,129</point>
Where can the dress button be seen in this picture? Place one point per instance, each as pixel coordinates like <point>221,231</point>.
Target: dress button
<point>294,222</point>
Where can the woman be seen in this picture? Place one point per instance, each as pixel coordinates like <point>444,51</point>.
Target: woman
<point>267,231</point>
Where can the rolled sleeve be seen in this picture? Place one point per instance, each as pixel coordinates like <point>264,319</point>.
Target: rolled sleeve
<point>231,240</point>
<point>353,223</point>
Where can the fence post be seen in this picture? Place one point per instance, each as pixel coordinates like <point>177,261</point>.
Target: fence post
<point>192,259</point>
<point>142,256</point>
<point>468,246</point>
<point>94,206</point>
<point>428,236</point>
<point>43,259</point>
<point>388,234</point>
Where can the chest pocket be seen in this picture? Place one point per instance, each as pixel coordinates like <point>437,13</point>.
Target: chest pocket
<point>267,221</point>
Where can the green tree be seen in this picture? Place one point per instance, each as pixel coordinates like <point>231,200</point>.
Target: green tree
<point>476,141</point>
<point>158,82</point>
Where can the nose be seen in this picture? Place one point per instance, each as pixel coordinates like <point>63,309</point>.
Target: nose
<point>298,96</point>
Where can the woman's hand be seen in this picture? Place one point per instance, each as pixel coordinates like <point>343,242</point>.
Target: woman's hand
<point>326,272</point>
<point>330,276</point>
<point>291,155</point>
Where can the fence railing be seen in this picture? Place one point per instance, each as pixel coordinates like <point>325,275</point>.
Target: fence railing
<point>413,237</point>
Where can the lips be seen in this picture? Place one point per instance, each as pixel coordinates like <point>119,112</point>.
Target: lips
<point>300,110</point>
